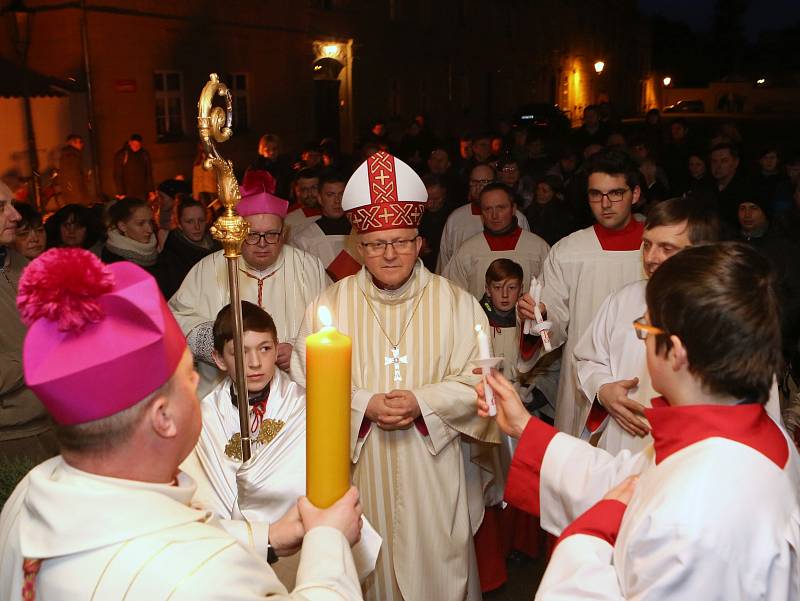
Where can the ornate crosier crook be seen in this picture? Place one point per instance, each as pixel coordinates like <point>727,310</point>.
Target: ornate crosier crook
<point>230,228</point>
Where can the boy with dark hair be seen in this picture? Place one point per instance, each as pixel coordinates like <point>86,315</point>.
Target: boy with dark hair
<point>585,267</point>
<point>712,510</point>
<point>262,492</point>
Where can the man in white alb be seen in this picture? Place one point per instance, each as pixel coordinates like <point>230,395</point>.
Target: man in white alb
<point>585,267</point>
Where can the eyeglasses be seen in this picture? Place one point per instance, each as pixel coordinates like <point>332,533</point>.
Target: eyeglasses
<point>612,195</point>
<point>643,328</point>
<point>401,247</point>
<point>26,232</point>
<point>254,238</point>
<point>480,182</point>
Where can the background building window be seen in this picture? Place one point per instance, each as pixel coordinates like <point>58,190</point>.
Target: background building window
<point>239,84</point>
<point>169,105</point>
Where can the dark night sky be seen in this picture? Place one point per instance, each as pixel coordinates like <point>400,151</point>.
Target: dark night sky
<point>762,14</point>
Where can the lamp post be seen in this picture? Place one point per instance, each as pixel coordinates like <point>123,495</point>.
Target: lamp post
<point>21,24</point>
<point>599,66</point>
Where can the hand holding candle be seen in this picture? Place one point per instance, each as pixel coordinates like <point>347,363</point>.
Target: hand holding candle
<point>328,364</point>
<point>542,327</point>
<point>485,353</point>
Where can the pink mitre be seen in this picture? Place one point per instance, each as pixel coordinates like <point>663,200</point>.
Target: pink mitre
<point>101,337</point>
<point>384,194</point>
<point>257,201</point>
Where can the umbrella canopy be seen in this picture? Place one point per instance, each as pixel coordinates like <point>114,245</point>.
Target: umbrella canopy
<point>13,77</point>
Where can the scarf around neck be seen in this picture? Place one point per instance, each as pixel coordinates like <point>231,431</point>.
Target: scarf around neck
<point>128,248</point>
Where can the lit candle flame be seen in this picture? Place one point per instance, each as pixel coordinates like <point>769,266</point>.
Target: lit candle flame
<point>324,315</point>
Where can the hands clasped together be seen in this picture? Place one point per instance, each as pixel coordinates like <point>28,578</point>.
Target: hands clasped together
<point>286,535</point>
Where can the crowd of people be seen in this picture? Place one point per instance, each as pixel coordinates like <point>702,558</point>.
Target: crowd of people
<point>567,249</point>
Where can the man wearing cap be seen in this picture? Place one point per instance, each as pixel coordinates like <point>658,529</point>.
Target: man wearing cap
<point>280,279</point>
<point>328,237</point>
<point>413,341</point>
<point>25,429</point>
<point>466,221</point>
<point>112,517</point>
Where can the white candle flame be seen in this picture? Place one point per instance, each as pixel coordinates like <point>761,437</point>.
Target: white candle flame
<point>325,316</point>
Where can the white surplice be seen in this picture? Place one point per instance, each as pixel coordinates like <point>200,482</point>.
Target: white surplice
<point>578,276</point>
<point>294,280</point>
<point>468,266</point>
<point>332,249</point>
<point>412,482</point>
<point>609,351</point>
<point>264,488</point>
<point>106,538</point>
<point>462,224</point>
<point>715,514</point>
<point>298,218</point>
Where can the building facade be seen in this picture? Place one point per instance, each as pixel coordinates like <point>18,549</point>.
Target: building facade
<point>312,68</point>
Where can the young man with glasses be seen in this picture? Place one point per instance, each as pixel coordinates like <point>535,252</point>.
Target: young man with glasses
<point>712,509</point>
<point>328,238</point>
<point>273,275</point>
<point>585,267</point>
<point>413,341</point>
<point>466,221</point>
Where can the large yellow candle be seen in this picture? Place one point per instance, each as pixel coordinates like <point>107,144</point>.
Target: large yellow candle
<point>328,357</point>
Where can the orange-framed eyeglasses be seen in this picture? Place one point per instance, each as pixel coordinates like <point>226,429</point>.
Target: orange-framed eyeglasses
<point>643,328</point>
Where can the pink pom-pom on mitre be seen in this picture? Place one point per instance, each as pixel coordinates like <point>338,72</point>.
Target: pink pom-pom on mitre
<point>64,285</point>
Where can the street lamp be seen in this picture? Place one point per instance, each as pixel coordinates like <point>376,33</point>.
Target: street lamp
<point>21,24</point>
<point>667,81</point>
<point>599,66</point>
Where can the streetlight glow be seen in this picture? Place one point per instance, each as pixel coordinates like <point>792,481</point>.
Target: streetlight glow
<point>667,81</point>
<point>761,81</point>
<point>599,66</point>
<point>330,50</point>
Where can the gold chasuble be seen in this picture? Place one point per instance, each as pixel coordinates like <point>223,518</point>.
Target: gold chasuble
<point>412,482</point>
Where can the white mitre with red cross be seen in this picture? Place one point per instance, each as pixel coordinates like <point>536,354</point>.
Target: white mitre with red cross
<point>384,194</point>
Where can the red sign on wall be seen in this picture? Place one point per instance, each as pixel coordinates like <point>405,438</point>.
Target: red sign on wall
<point>125,86</point>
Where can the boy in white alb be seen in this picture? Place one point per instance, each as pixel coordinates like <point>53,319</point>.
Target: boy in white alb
<point>264,490</point>
<point>711,510</point>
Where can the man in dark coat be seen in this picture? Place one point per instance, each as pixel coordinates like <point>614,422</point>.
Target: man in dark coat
<point>133,170</point>
<point>71,178</point>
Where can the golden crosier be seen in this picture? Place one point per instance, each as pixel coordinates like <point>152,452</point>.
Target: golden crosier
<point>214,125</point>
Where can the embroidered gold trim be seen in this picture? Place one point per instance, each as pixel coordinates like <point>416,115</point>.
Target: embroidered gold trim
<point>266,433</point>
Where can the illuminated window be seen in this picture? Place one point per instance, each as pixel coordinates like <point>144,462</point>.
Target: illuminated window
<point>168,87</point>
<point>239,85</point>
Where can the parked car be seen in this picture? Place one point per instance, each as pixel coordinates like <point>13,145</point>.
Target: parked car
<point>541,117</point>
<point>686,106</point>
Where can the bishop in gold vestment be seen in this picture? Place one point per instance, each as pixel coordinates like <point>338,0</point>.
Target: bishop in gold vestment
<point>413,398</point>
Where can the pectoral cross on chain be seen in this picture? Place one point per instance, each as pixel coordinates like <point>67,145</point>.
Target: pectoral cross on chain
<point>396,360</point>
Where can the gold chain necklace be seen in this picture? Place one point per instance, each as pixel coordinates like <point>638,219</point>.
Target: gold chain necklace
<point>395,360</point>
